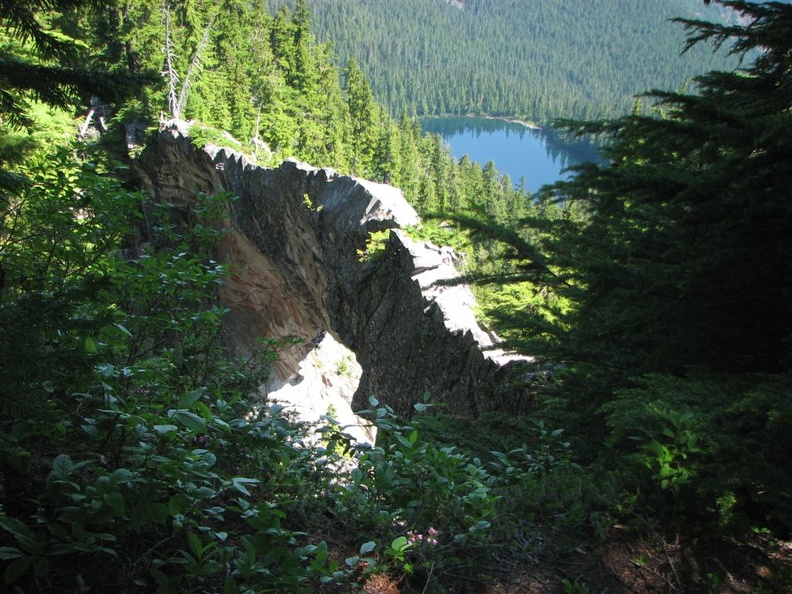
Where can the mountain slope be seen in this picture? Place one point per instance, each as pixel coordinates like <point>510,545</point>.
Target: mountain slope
<point>538,60</point>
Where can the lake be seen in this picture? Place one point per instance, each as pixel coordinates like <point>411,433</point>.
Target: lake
<point>515,149</point>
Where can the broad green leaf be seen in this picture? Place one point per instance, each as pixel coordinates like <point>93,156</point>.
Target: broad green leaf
<point>178,503</point>
<point>165,429</point>
<point>116,501</point>
<point>90,345</point>
<point>221,424</point>
<point>204,492</point>
<point>195,543</point>
<point>78,531</point>
<point>321,553</point>
<point>189,420</point>
<point>306,550</point>
<point>208,458</point>
<point>399,543</point>
<point>239,484</point>
<point>15,527</point>
<point>62,466</point>
<point>8,553</point>
<point>192,396</point>
<point>206,413</point>
<point>250,550</point>
<point>123,330</point>
<point>17,568</point>
<point>404,441</point>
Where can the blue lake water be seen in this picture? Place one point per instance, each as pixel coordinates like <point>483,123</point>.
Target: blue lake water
<point>537,155</point>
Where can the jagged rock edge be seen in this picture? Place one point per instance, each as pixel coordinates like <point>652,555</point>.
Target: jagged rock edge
<point>294,242</point>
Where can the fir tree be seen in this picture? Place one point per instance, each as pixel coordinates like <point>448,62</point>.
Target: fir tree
<point>683,257</point>
<point>41,62</point>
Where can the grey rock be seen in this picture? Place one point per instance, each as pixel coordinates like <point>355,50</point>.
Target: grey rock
<point>296,242</point>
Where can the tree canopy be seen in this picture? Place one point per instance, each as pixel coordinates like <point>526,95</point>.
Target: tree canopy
<point>533,60</point>
<point>681,257</point>
<point>46,63</point>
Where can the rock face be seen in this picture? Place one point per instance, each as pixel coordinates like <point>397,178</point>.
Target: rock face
<point>297,247</point>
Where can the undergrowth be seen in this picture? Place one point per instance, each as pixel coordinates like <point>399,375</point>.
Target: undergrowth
<point>136,456</point>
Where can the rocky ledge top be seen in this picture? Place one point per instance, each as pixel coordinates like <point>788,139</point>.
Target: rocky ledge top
<point>296,243</point>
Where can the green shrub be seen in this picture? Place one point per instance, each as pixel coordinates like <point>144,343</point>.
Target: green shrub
<point>716,442</point>
<point>140,442</point>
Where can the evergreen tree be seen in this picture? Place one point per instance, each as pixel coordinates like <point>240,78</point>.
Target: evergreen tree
<point>361,115</point>
<point>683,256</point>
<point>40,61</point>
<point>523,59</point>
<point>41,72</point>
<point>676,254</point>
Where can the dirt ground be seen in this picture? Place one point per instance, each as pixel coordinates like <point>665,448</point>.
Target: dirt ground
<point>627,566</point>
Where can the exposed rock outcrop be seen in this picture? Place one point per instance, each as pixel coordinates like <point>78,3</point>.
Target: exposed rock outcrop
<point>297,248</point>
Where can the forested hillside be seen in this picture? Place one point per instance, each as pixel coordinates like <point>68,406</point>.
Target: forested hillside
<point>536,60</point>
<point>654,291</point>
<point>234,67</point>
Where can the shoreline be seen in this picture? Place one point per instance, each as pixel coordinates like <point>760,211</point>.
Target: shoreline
<point>524,123</point>
<point>508,120</point>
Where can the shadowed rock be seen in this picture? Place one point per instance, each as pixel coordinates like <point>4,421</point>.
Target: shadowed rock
<point>297,247</point>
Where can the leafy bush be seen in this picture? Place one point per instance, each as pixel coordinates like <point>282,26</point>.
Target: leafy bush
<point>438,514</point>
<point>139,440</point>
<point>715,440</point>
<point>144,441</point>
<point>406,483</point>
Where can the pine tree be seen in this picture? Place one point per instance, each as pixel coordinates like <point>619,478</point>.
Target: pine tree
<point>361,114</point>
<point>684,254</point>
<point>41,62</point>
<point>675,254</point>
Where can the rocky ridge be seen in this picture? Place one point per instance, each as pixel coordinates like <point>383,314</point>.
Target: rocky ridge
<point>298,242</point>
